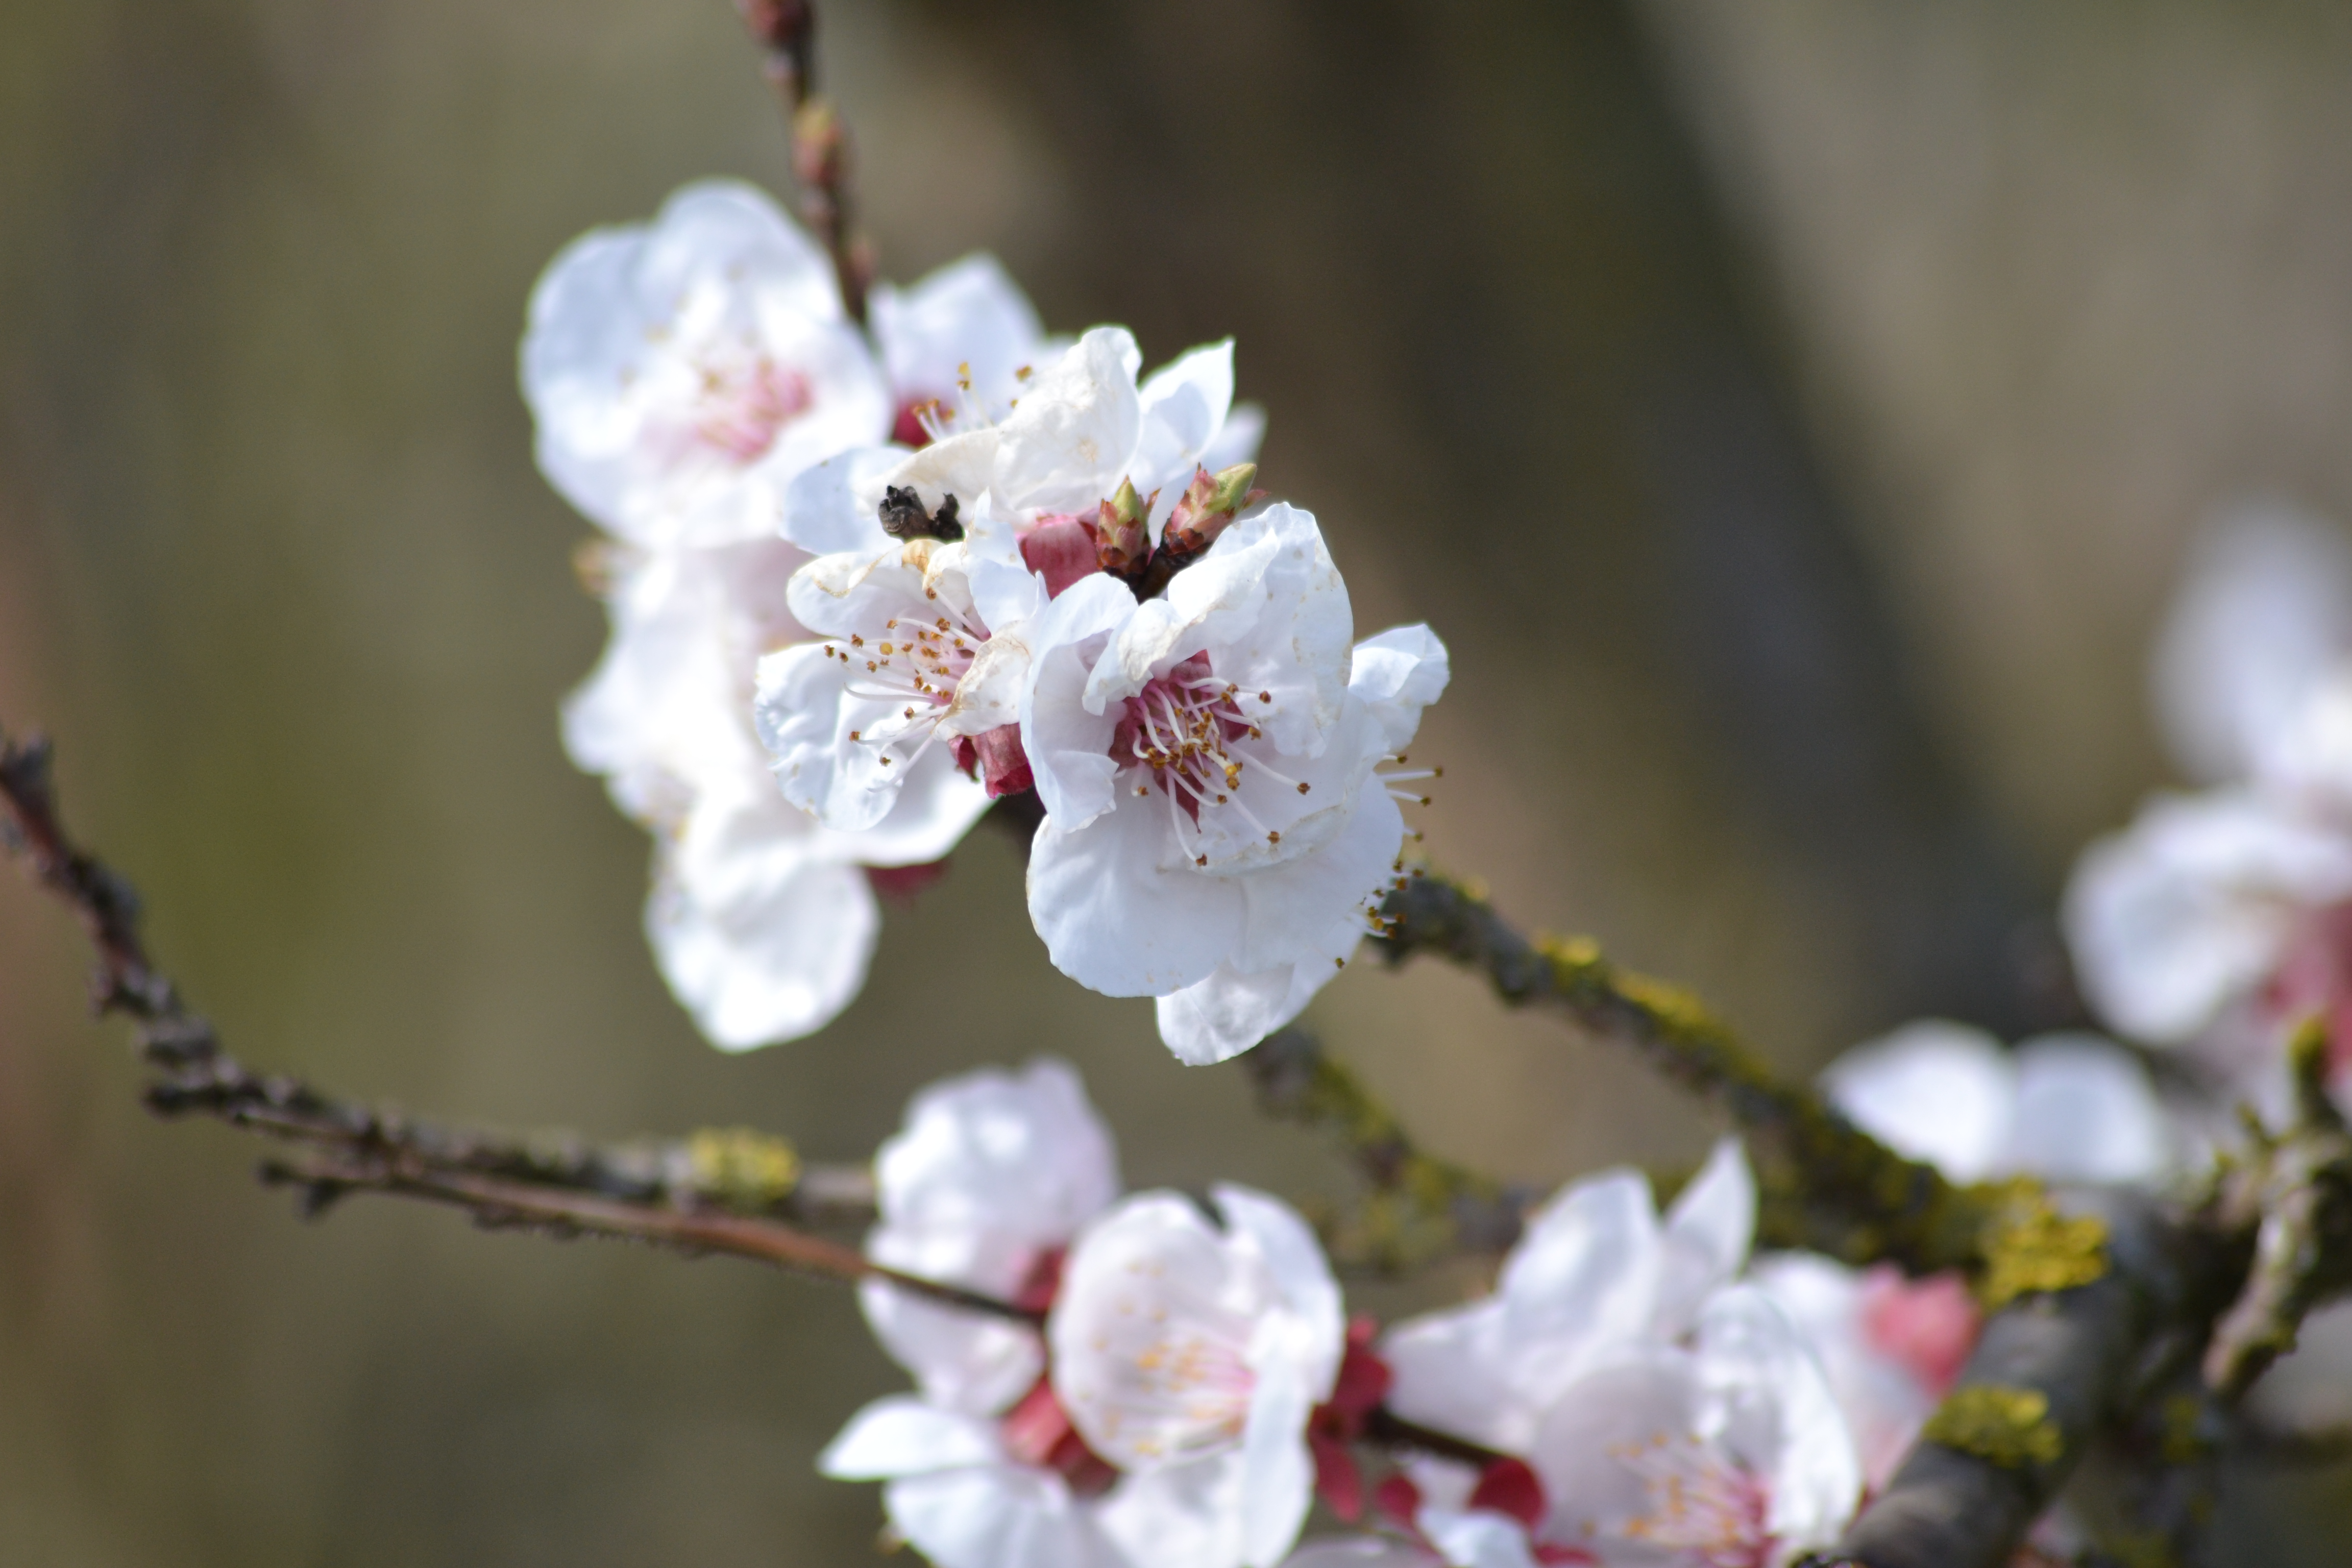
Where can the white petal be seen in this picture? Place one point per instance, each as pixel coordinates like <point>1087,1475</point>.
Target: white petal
<point>1707,1236</point>
<point>2264,615</point>
<point>1778,1415</point>
<point>1070,745</point>
<point>1308,1297</point>
<point>1882,1402</point>
<point>2086,1112</point>
<point>1277,1471</point>
<point>1477,1538</point>
<point>1001,1516</point>
<point>901,1436</point>
<point>1181,1516</point>
<point>2193,904</point>
<point>1934,1091</point>
<point>760,940</point>
<point>1175,1342</point>
<point>1183,407</point>
<point>967,321</point>
<point>1072,437</point>
<point>1122,912</point>
<point>1398,674</point>
<point>823,509</point>
<point>1225,1014</point>
<point>1580,1285</point>
<point>937,805</point>
<point>1648,1400</point>
<point>806,714</point>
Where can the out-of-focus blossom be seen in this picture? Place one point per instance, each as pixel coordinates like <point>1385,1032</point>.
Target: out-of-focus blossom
<point>986,1184</point>
<point>1217,831</point>
<point>2216,922</point>
<point>683,372</point>
<point>1596,1269</point>
<point>761,921</point>
<point>2263,615</point>
<point>2065,1108</point>
<point>1192,1353</point>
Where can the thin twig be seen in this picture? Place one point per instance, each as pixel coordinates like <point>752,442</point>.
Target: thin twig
<point>787,32</point>
<point>1421,1207</point>
<point>720,1191</point>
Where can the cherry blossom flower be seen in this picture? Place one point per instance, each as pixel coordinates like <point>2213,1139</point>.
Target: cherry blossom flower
<point>1191,1352</point>
<point>761,921</point>
<point>1217,829</point>
<point>683,372</point>
<point>1596,1270</point>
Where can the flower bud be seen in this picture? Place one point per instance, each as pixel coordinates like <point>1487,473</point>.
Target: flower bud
<point>1122,540</point>
<point>1209,504</point>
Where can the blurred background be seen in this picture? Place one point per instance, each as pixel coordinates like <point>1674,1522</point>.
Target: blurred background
<point>1791,415</point>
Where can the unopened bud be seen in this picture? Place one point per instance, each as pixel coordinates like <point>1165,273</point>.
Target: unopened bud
<point>1209,504</point>
<point>1122,542</point>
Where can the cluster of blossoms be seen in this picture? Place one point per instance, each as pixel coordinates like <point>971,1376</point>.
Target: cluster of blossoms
<point>866,580</point>
<point>2219,921</point>
<point>1181,1382</point>
<point>861,587</point>
<point>1636,1390</point>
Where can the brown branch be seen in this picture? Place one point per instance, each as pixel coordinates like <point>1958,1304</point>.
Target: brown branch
<point>787,31</point>
<point>719,1191</point>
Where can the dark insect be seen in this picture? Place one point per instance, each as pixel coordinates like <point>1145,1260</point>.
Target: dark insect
<point>903,516</point>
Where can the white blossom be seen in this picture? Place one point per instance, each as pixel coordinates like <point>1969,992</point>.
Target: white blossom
<point>1217,831</point>
<point>1191,1352</point>
<point>1595,1271</point>
<point>682,373</point>
<point>761,921</point>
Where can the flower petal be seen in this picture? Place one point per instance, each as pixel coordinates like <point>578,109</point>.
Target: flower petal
<point>902,1435</point>
<point>1934,1091</point>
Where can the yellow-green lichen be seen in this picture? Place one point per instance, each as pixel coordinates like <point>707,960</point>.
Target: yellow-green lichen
<point>740,1168</point>
<point>2006,1426</point>
<point>2032,1248</point>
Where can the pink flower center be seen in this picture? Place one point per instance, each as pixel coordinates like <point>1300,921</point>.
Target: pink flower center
<point>1926,1326</point>
<point>915,666</point>
<point>743,405</point>
<point>1700,1503</point>
<point>1193,732</point>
